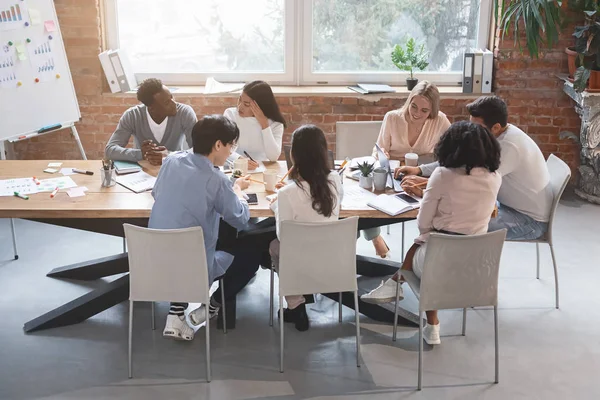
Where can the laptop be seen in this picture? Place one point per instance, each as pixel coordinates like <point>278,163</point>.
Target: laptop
<point>385,164</point>
<point>287,149</point>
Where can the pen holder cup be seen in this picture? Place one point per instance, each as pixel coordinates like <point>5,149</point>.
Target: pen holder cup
<point>108,177</point>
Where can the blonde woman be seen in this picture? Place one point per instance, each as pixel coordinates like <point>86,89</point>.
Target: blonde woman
<point>415,128</point>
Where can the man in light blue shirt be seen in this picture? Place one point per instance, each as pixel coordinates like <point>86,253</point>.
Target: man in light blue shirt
<point>191,191</point>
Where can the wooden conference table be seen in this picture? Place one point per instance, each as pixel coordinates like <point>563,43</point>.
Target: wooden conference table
<point>104,210</point>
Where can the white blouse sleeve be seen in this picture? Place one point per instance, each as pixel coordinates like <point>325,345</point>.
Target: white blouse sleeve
<point>272,138</point>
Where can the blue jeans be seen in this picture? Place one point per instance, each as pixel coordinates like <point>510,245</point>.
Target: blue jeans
<point>519,226</point>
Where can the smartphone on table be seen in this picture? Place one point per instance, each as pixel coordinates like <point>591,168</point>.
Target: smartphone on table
<point>406,198</point>
<point>252,198</point>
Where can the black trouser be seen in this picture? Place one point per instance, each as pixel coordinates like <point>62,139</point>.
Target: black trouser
<point>250,249</point>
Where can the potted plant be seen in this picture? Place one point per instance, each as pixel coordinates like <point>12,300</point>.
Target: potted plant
<point>365,179</point>
<point>237,173</point>
<point>587,46</point>
<point>410,58</point>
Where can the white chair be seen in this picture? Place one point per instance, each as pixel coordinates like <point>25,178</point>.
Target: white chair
<point>357,139</point>
<point>458,272</point>
<point>560,173</point>
<point>168,265</point>
<point>317,258</point>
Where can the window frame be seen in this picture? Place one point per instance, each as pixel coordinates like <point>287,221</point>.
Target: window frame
<point>298,55</point>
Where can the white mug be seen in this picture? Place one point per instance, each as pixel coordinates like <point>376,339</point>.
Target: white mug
<point>270,178</point>
<point>241,164</point>
<point>411,159</point>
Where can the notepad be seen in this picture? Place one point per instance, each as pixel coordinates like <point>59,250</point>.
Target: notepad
<point>126,167</point>
<point>137,182</point>
<point>367,88</point>
<point>392,204</point>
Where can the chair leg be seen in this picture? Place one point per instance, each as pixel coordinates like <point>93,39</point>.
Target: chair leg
<point>124,245</point>
<point>340,308</point>
<point>496,343</point>
<point>464,324</point>
<point>207,328</point>
<point>403,242</point>
<point>130,339</point>
<point>357,322</point>
<point>420,376</point>
<point>396,311</point>
<point>14,237</point>
<point>222,285</point>
<point>271,300</point>
<point>153,316</point>
<point>388,229</point>
<point>555,272</point>
<point>280,333</point>
<point>537,252</point>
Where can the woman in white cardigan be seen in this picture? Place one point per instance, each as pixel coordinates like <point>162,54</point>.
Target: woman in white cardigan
<point>459,200</point>
<point>260,123</point>
<point>314,195</point>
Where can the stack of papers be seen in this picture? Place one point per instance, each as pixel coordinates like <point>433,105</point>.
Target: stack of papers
<point>367,88</point>
<point>212,86</point>
<point>392,204</point>
<point>126,167</point>
<point>138,182</point>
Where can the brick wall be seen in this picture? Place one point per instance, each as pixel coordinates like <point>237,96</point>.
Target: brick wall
<point>533,94</point>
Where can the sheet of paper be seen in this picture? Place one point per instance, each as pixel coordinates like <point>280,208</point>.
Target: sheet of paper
<point>35,16</point>
<point>13,15</point>
<point>356,198</point>
<point>54,164</point>
<point>8,63</point>
<point>50,26</point>
<point>77,191</point>
<point>41,56</point>
<point>62,182</point>
<point>261,168</point>
<point>27,186</point>
<point>67,171</point>
<point>212,86</point>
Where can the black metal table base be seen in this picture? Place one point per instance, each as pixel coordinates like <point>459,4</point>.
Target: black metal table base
<point>117,291</point>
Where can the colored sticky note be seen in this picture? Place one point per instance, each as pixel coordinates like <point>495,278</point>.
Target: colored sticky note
<point>51,170</point>
<point>35,16</point>
<point>21,56</point>
<point>49,26</point>
<point>21,53</point>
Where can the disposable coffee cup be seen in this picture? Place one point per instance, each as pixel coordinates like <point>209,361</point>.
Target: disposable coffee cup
<point>411,159</point>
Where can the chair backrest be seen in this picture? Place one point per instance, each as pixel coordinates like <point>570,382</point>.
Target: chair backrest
<point>317,257</point>
<point>560,173</point>
<point>461,271</point>
<point>167,264</point>
<point>355,139</point>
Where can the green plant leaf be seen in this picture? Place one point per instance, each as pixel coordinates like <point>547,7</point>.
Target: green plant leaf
<point>582,75</point>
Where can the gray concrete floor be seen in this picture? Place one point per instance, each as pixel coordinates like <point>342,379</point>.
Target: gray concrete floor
<point>544,353</point>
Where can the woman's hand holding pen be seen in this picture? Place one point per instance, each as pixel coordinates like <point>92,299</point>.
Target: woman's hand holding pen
<point>414,185</point>
<point>259,115</point>
<point>279,185</point>
<point>252,165</point>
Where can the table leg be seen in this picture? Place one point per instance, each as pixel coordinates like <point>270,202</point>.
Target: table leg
<point>93,269</point>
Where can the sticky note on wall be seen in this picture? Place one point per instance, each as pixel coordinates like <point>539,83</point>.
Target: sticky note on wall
<point>50,26</point>
<point>35,16</point>
<point>21,53</point>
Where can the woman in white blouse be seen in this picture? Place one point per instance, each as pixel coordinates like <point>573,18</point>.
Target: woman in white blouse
<point>315,195</point>
<point>459,200</point>
<point>260,123</point>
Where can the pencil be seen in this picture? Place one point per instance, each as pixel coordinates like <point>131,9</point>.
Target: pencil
<point>286,175</point>
<point>254,180</point>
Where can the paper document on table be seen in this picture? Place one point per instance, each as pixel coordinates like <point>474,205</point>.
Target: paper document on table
<point>137,182</point>
<point>261,168</point>
<point>356,198</point>
<point>394,204</point>
<point>213,86</point>
<point>63,182</point>
<point>23,186</point>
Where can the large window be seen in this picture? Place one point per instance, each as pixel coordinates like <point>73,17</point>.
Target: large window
<point>293,41</point>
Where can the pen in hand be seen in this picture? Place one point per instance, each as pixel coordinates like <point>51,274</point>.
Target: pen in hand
<point>248,155</point>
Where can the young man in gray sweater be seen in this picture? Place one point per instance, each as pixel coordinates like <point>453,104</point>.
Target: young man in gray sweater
<point>158,125</point>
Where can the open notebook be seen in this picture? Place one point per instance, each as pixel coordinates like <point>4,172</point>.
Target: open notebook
<point>394,204</point>
<point>137,182</point>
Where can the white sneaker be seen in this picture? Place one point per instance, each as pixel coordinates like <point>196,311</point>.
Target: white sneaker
<point>176,328</point>
<point>384,293</point>
<point>198,316</point>
<point>431,334</point>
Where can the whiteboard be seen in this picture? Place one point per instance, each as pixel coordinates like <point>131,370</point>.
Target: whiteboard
<point>26,105</point>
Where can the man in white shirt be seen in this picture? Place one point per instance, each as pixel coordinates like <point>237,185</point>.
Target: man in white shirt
<point>525,197</point>
<point>159,125</point>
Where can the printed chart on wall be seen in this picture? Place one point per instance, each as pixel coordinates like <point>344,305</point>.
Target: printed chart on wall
<point>8,58</point>
<point>13,14</point>
<point>42,58</point>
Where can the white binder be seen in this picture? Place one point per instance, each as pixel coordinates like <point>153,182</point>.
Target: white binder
<point>109,72</point>
<point>118,72</point>
<point>488,69</point>
<point>468,73</point>
<point>477,70</point>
